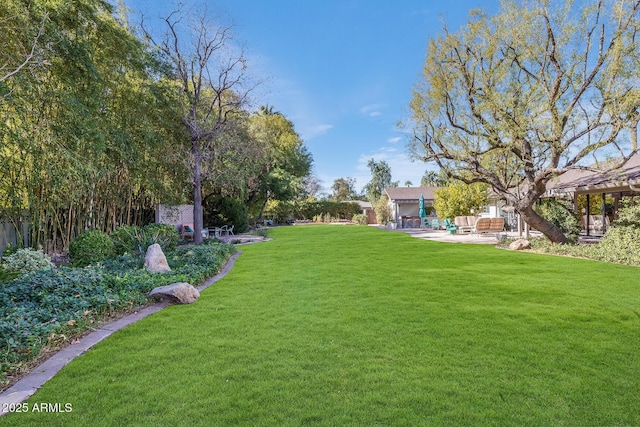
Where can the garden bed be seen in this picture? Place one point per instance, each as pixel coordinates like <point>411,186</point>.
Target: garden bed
<point>43,311</point>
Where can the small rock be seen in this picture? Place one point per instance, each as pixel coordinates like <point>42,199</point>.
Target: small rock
<point>155,261</point>
<point>520,244</point>
<point>177,293</point>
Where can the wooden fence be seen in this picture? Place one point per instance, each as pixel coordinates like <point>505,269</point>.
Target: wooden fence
<point>10,235</point>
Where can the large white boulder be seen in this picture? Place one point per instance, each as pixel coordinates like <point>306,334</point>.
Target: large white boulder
<point>177,293</point>
<point>155,261</point>
<point>520,244</point>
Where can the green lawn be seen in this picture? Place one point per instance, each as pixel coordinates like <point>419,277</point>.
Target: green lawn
<point>337,325</point>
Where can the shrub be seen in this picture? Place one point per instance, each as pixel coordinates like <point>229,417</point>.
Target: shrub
<point>136,240</point>
<point>90,247</point>
<point>360,219</point>
<point>307,209</point>
<point>545,245</point>
<point>163,234</point>
<point>560,214</point>
<point>620,244</point>
<point>263,232</point>
<point>125,239</point>
<point>48,304</point>
<point>628,214</point>
<point>382,210</point>
<point>6,276</point>
<point>279,211</point>
<point>27,260</point>
<point>10,249</point>
<point>220,210</point>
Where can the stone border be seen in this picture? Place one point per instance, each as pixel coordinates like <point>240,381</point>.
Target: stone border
<point>30,383</point>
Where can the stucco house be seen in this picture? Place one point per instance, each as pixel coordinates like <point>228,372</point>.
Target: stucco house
<point>405,201</point>
<point>367,209</point>
<point>613,185</point>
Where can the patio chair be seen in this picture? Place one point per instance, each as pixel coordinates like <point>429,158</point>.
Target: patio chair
<point>451,228</point>
<point>230,231</point>
<point>435,224</point>
<point>186,232</point>
<point>214,231</point>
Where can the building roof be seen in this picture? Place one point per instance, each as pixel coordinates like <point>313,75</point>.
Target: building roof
<point>410,194</point>
<point>362,203</point>
<point>584,181</point>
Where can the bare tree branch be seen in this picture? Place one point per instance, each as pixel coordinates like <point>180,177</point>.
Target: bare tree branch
<point>7,71</point>
<point>516,99</point>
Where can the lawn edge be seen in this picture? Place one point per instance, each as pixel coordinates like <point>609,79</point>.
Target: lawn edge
<point>31,382</point>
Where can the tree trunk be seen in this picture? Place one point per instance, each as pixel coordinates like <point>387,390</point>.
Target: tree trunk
<point>197,211</point>
<point>197,196</point>
<point>550,230</point>
<point>264,204</point>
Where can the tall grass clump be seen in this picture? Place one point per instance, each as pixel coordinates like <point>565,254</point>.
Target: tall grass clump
<point>135,240</point>
<point>360,219</point>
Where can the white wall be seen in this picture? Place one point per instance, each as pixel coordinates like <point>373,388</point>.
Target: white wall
<point>174,215</point>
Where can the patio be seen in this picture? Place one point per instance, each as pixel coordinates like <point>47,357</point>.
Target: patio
<point>444,236</point>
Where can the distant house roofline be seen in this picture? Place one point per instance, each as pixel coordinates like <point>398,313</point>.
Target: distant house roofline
<point>588,180</point>
<point>410,194</point>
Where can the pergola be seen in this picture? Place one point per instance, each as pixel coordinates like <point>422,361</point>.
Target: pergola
<point>591,182</point>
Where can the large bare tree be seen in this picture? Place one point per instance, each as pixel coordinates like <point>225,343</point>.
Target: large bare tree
<point>213,89</point>
<point>516,99</point>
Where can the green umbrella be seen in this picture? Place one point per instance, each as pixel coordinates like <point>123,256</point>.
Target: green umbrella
<point>423,212</point>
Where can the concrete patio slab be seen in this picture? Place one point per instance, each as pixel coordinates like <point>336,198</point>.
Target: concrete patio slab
<point>444,236</point>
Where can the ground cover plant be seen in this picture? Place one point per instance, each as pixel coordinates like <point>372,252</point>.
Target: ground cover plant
<point>349,325</point>
<point>620,243</point>
<point>47,307</point>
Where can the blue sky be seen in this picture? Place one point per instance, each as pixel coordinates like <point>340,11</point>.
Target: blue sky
<point>341,70</point>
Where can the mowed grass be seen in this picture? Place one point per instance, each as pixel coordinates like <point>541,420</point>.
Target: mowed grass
<point>336,325</point>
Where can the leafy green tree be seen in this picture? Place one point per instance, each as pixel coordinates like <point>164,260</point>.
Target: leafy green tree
<point>459,198</point>
<point>382,209</point>
<point>81,131</point>
<point>284,162</point>
<point>516,99</point>
<point>380,179</point>
<point>344,189</point>
<point>434,179</point>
